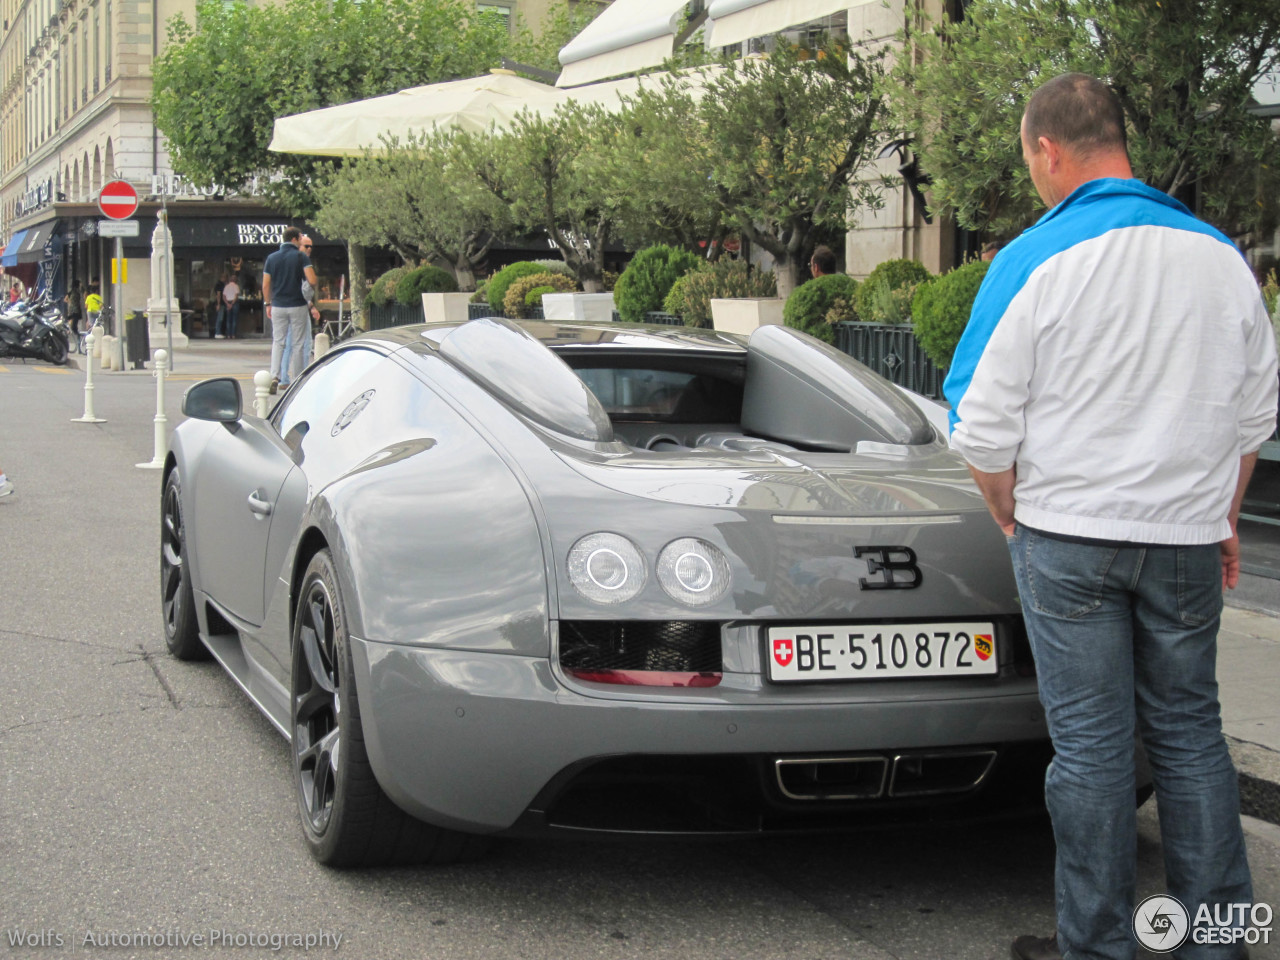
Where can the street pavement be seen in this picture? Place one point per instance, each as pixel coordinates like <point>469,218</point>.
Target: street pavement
<point>139,794</point>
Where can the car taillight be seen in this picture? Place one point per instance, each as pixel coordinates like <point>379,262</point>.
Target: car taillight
<point>648,678</point>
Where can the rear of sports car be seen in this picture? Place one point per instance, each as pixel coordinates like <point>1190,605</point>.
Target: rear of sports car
<point>776,602</point>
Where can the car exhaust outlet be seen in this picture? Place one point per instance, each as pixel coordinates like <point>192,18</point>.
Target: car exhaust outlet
<point>931,774</point>
<point>832,778</point>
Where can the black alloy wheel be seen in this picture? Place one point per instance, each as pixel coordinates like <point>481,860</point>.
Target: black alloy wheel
<point>347,819</point>
<point>316,707</point>
<point>181,631</point>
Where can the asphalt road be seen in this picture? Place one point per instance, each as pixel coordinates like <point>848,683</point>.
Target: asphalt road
<point>141,795</point>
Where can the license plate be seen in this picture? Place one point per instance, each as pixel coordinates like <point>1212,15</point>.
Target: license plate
<point>880,651</point>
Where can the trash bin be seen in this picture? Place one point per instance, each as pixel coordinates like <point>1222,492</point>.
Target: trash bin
<point>137,339</point>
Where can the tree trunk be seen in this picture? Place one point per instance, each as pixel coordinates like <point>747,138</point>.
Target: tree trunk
<point>355,263</point>
<point>787,272</point>
<point>465,273</point>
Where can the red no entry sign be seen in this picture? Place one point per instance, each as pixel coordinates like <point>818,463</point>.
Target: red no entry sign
<point>118,200</point>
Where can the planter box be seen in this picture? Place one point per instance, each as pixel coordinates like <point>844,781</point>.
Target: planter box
<point>743,316</point>
<point>665,319</point>
<point>445,307</point>
<point>578,306</point>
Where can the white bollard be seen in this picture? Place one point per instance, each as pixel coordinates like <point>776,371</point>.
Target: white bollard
<point>94,335</point>
<point>108,352</point>
<point>161,421</point>
<point>322,345</point>
<point>261,392</point>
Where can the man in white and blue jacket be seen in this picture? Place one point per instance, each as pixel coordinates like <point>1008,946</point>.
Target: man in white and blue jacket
<point>1110,394</point>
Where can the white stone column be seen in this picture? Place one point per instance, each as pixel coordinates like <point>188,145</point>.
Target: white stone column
<point>158,306</point>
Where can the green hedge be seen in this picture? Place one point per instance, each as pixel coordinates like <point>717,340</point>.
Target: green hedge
<point>384,288</point>
<point>882,281</point>
<point>648,279</point>
<point>807,307</point>
<point>424,279</point>
<point>941,308</point>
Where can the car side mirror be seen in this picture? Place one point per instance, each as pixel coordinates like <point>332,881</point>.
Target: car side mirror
<point>218,400</point>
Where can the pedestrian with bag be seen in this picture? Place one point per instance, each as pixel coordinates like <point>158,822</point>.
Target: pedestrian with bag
<point>230,307</point>
<point>1110,393</point>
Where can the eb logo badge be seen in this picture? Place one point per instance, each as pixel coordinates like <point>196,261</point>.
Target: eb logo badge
<point>889,568</point>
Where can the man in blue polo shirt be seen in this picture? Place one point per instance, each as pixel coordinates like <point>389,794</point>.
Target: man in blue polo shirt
<point>1110,393</point>
<point>286,307</point>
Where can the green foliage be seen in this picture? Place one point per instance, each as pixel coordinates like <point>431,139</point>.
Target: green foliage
<point>648,278</point>
<point>417,198</point>
<point>807,307</point>
<point>496,287</point>
<point>941,309</point>
<point>873,302</point>
<point>515,302</point>
<point>776,148</point>
<point>425,279</point>
<point>534,297</point>
<point>480,295</point>
<point>1271,293</point>
<point>843,310</point>
<point>554,266</point>
<point>1183,70</point>
<point>609,280</point>
<point>692,294</point>
<point>220,82</point>
<point>540,47</point>
<point>384,288</point>
<point>546,171</point>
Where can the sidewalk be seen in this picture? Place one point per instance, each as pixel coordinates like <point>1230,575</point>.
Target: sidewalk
<point>1249,687</point>
<point>201,359</point>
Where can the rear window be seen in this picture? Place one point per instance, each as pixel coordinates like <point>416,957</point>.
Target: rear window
<point>669,395</point>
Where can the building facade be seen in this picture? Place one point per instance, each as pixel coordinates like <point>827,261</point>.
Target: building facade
<point>75,114</point>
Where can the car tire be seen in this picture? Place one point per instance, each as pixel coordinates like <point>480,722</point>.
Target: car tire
<point>347,819</point>
<point>177,600</point>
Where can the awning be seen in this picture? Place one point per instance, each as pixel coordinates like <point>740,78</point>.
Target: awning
<point>733,21</point>
<point>629,35</point>
<point>10,256</point>
<point>32,248</point>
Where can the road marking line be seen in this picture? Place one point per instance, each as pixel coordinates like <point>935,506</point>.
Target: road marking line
<point>4,369</point>
<point>54,370</point>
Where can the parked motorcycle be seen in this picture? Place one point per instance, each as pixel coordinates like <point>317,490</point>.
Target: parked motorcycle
<point>36,330</point>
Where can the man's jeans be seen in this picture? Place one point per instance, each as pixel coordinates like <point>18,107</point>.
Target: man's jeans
<point>283,320</point>
<point>1122,633</point>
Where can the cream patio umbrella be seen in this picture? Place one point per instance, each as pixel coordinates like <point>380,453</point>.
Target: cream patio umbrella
<point>473,105</point>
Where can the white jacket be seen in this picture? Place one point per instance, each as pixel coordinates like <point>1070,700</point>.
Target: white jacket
<point>1119,354</point>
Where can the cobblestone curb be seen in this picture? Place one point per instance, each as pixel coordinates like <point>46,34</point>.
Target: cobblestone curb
<point>1259,769</point>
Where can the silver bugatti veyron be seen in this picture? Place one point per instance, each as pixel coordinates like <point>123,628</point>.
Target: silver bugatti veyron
<point>497,578</point>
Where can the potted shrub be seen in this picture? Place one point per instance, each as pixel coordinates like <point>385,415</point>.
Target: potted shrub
<point>879,299</point>
<point>515,302</point>
<point>691,296</point>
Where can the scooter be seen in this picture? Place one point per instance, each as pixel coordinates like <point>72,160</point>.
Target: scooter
<point>36,331</point>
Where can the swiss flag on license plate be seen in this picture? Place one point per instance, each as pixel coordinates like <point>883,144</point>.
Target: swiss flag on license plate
<point>783,651</point>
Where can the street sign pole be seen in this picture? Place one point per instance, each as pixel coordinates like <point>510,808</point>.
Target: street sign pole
<point>118,200</point>
<point>119,272</point>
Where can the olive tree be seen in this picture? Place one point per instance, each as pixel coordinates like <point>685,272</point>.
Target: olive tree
<point>1182,69</point>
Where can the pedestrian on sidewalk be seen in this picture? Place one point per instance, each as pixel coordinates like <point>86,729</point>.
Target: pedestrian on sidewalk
<point>1110,393</point>
<point>93,305</point>
<point>285,306</point>
<point>231,307</point>
<point>309,294</point>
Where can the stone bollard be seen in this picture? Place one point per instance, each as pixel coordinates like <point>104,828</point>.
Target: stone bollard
<point>322,345</point>
<point>261,392</point>
<point>94,336</point>
<point>160,421</point>
<point>95,343</point>
<point>108,354</point>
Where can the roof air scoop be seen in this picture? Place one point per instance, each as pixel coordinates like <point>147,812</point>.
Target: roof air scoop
<point>519,370</point>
